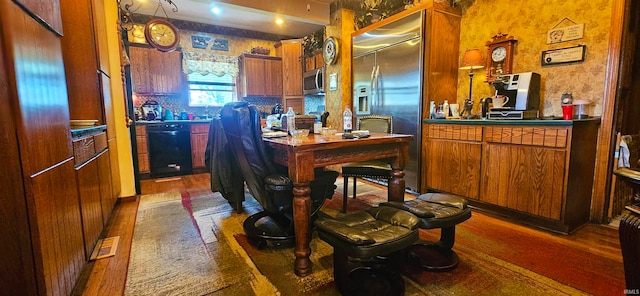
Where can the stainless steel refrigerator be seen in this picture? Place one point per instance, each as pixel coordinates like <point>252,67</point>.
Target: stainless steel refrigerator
<point>387,80</point>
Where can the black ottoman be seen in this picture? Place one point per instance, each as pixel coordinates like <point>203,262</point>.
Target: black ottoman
<point>369,249</point>
<point>436,210</point>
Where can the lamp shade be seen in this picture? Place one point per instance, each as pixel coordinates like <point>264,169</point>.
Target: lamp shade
<point>472,59</point>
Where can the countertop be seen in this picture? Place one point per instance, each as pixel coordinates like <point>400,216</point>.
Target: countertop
<point>195,121</point>
<point>86,131</point>
<point>558,122</point>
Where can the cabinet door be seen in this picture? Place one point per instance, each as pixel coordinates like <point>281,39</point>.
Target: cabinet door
<point>292,69</point>
<point>199,137</point>
<point>296,103</point>
<point>165,71</point>
<point>140,69</point>
<point>453,166</point>
<point>273,78</point>
<point>90,205</point>
<point>524,178</point>
<point>107,199</point>
<point>254,70</point>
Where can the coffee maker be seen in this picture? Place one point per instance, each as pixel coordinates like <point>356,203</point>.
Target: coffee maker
<point>523,93</point>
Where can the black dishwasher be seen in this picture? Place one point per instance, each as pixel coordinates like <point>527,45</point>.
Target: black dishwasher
<point>169,149</point>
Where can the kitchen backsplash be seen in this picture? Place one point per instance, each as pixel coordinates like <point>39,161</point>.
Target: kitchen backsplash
<point>177,104</point>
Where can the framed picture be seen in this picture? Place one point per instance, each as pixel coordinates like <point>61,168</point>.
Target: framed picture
<point>200,41</point>
<point>563,55</point>
<point>220,44</point>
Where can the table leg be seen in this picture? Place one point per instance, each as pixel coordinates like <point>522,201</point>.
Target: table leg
<point>396,186</point>
<point>301,220</point>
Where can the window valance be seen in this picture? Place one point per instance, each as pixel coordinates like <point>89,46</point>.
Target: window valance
<point>204,64</point>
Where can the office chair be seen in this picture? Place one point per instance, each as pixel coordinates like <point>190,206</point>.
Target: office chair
<point>372,169</point>
<point>266,181</point>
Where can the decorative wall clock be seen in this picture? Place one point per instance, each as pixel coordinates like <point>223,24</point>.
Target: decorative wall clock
<point>162,35</point>
<point>330,50</point>
<point>499,56</point>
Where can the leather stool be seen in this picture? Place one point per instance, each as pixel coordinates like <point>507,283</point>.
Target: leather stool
<point>369,249</point>
<point>436,210</point>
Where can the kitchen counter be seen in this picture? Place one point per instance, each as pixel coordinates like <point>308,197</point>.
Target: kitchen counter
<point>172,121</point>
<point>556,122</point>
<point>538,172</point>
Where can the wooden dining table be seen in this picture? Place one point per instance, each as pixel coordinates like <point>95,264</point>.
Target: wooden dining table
<point>302,155</point>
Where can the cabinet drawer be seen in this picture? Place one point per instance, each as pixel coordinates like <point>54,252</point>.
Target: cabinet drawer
<point>535,136</point>
<point>100,141</point>
<point>83,150</point>
<point>455,132</point>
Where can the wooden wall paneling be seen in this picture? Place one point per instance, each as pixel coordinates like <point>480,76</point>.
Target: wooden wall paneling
<point>17,275</point>
<point>441,52</point>
<point>100,23</point>
<point>56,229</point>
<point>606,138</point>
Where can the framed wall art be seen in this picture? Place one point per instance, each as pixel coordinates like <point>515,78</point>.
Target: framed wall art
<point>200,41</point>
<point>220,44</point>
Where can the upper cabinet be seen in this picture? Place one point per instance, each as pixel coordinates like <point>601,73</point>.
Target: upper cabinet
<point>260,76</point>
<point>83,60</point>
<point>156,72</point>
<point>314,61</point>
<point>291,53</point>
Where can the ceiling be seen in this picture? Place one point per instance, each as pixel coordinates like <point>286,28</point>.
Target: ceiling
<point>300,17</point>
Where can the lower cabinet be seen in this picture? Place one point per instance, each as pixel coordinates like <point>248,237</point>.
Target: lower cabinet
<point>90,204</point>
<point>143,149</point>
<point>94,186</point>
<point>537,173</point>
<point>199,136</point>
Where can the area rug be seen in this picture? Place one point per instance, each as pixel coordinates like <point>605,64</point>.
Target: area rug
<point>192,243</point>
<point>179,249</point>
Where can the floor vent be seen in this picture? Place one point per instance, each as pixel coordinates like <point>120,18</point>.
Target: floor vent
<point>105,248</point>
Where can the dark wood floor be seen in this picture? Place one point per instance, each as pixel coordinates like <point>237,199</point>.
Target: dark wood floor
<point>107,276</point>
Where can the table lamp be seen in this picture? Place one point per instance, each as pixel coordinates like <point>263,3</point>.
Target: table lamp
<point>471,60</point>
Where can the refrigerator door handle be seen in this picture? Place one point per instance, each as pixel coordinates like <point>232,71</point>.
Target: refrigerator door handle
<point>376,78</point>
<point>372,83</point>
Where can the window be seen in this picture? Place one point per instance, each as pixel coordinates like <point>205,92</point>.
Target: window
<point>211,90</point>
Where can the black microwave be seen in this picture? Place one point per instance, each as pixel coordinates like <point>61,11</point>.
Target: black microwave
<point>313,82</point>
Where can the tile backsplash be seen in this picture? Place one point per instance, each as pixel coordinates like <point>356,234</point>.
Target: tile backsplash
<point>176,103</point>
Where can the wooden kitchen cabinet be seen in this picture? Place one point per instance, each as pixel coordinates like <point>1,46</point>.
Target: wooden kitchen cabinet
<point>533,171</point>
<point>143,149</point>
<point>313,62</point>
<point>452,161</point>
<point>260,76</point>
<point>90,204</point>
<point>199,137</point>
<point>291,53</point>
<point>156,72</point>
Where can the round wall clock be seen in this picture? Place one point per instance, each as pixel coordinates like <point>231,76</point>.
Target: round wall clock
<point>330,50</point>
<point>162,34</point>
<point>499,56</point>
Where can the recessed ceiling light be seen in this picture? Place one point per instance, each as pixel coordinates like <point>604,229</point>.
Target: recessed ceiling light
<point>279,21</point>
<point>215,10</point>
